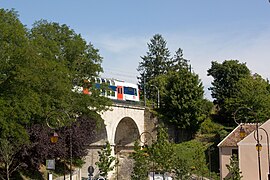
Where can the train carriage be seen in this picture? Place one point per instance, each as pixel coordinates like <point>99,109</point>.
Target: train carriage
<point>117,90</point>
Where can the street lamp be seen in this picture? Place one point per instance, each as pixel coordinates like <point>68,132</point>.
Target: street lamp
<point>259,147</point>
<point>54,137</point>
<point>145,137</point>
<point>50,164</point>
<point>158,98</point>
<point>56,120</point>
<point>256,137</point>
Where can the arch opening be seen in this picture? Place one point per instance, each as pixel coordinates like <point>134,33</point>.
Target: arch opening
<point>126,133</point>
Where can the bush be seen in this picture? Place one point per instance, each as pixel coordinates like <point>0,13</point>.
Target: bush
<point>210,127</point>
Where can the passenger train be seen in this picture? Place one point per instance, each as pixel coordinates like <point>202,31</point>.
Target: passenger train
<point>117,90</point>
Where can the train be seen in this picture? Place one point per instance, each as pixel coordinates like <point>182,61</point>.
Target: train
<point>117,89</point>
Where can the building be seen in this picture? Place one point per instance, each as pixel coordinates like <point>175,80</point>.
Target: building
<point>245,149</point>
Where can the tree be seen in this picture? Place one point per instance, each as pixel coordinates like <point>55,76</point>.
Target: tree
<point>253,93</point>
<point>182,103</point>
<point>38,71</point>
<point>7,156</point>
<point>141,163</point>
<point>161,151</point>
<point>105,160</point>
<point>225,76</point>
<point>13,54</point>
<point>234,170</point>
<point>178,61</point>
<point>155,156</point>
<point>154,63</point>
<point>81,134</point>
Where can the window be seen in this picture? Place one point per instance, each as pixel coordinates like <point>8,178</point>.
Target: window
<point>235,152</point>
<point>130,91</point>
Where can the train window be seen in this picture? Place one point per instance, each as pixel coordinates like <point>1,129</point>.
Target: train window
<point>129,90</point>
<point>92,79</point>
<point>98,81</point>
<point>112,90</point>
<point>109,92</point>
<point>103,92</point>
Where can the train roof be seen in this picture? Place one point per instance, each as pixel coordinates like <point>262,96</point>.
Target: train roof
<point>119,81</point>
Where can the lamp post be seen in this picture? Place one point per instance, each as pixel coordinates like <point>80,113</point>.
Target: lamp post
<point>158,98</point>
<point>50,164</point>
<point>145,137</point>
<point>259,147</point>
<point>56,120</point>
<point>256,137</point>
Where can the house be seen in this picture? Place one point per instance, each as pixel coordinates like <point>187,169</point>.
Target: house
<point>245,149</point>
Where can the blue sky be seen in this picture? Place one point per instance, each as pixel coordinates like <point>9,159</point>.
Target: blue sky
<point>207,30</point>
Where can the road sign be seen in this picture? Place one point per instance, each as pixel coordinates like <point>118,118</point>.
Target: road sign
<point>50,164</point>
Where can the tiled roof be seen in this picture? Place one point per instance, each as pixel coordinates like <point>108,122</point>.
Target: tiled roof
<point>234,137</point>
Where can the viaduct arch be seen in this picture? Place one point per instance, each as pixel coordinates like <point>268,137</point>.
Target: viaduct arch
<point>123,125</point>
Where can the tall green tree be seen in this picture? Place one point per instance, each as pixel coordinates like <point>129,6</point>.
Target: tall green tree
<point>182,102</point>
<point>252,99</point>
<point>39,69</point>
<point>179,62</point>
<point>225,76</point>
<point>14,52</point>
<point>154,63</point>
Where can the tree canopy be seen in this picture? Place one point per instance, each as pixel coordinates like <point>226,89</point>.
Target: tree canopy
<point>225,76</point>
<point>182,100</point>
<point>39,68</point>
<point>154,63</point>
<point>234,88</point>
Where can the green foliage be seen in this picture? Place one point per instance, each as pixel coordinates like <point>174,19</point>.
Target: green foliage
<point>226,75</point>
<point>210,127</point>
<point>182,159</point>
<point>178,62</point>
<point>234,87</point>
<point>38,71</point>
<point>180,89</point>
<point>190,158</point>
<point>141,163</point>
<point>161,151</point>
<point>13,54</point>
<point>154,63</point>
<point>156,156</point>
<point>105,160</point>
<point>8,164</point>
<point>234,170</point>
<point>182,100</point>
<point>253,93</point>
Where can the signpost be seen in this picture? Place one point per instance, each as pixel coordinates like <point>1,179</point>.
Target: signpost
<point>50,165</point>
<point>90,171</point>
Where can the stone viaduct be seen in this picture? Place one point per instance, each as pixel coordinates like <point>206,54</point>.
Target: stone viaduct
<point>123,125</point>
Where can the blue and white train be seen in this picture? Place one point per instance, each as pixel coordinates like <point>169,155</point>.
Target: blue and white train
<point>118,90</point>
